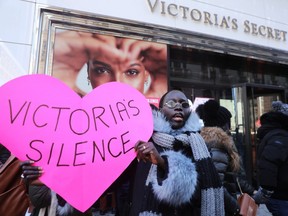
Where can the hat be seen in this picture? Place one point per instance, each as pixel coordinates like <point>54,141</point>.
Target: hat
<point>278,106</point>
<point>214,115</point>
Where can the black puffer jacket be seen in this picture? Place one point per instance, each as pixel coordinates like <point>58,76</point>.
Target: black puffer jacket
<point>272,154</point>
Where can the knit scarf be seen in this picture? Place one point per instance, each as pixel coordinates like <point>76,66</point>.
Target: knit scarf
<point>212,195</point>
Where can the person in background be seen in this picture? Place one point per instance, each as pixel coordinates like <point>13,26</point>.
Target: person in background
<point>272,160</point>
<point>175,174</point>
<point>216,133</point>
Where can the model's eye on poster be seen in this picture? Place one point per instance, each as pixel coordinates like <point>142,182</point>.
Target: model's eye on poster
<point>86,60</point>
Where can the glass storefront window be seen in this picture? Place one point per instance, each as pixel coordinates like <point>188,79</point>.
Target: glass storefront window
<point>198,66</point>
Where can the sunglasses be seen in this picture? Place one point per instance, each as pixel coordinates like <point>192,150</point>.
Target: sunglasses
<point>172,104</point>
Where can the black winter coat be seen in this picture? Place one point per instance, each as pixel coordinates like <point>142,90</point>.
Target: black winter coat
<point>272,154</point>
<point>221,162</point>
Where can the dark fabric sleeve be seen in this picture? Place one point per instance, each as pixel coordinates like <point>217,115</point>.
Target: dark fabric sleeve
<point>246,186</point>
<point>273,155</point>
<point>230,203</point>
<point>40,196</point>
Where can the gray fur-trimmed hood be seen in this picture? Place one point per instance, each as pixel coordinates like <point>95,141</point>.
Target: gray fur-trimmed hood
<point>193,124</point>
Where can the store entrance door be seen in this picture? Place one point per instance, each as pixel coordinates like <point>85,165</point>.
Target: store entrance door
<point>250,102</point>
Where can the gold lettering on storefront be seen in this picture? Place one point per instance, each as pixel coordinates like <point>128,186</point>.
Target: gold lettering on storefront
<point>264,31</point>
<point>213,19</point>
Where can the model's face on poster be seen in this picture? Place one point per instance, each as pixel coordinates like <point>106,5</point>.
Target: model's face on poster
<point>131,71</point>
<point>140,64</point>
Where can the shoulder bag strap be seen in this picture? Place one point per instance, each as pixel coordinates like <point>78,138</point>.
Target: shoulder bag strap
<point>239,185</point>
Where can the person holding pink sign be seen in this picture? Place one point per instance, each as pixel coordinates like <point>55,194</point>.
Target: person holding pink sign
<point>175,174</point>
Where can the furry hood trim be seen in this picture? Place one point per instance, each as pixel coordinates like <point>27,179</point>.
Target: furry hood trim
<point>217,138</point>
<point>193,124</point>
<point>181,182</point>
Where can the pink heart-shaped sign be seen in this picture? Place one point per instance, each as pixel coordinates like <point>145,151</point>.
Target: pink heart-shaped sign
<point>83,144</point>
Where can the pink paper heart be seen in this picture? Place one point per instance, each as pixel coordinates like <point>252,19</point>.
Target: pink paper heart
<point>83,144</point>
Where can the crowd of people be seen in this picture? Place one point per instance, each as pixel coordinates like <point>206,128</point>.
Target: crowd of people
<point>187,168</point>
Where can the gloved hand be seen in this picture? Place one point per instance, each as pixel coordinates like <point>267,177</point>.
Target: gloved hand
<point>262,195</point>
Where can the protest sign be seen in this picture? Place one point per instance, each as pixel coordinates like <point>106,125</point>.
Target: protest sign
<point>82,144</point>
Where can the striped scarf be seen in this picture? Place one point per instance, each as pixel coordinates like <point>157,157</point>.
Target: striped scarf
<point>212,195</point>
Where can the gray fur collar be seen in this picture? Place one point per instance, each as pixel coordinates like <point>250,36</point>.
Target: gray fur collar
<point>193,124</point>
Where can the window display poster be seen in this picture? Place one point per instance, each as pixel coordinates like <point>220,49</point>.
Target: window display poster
<point>85,60</point>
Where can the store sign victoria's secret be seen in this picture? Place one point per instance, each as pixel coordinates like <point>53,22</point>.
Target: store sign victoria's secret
<point>208,18</point>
